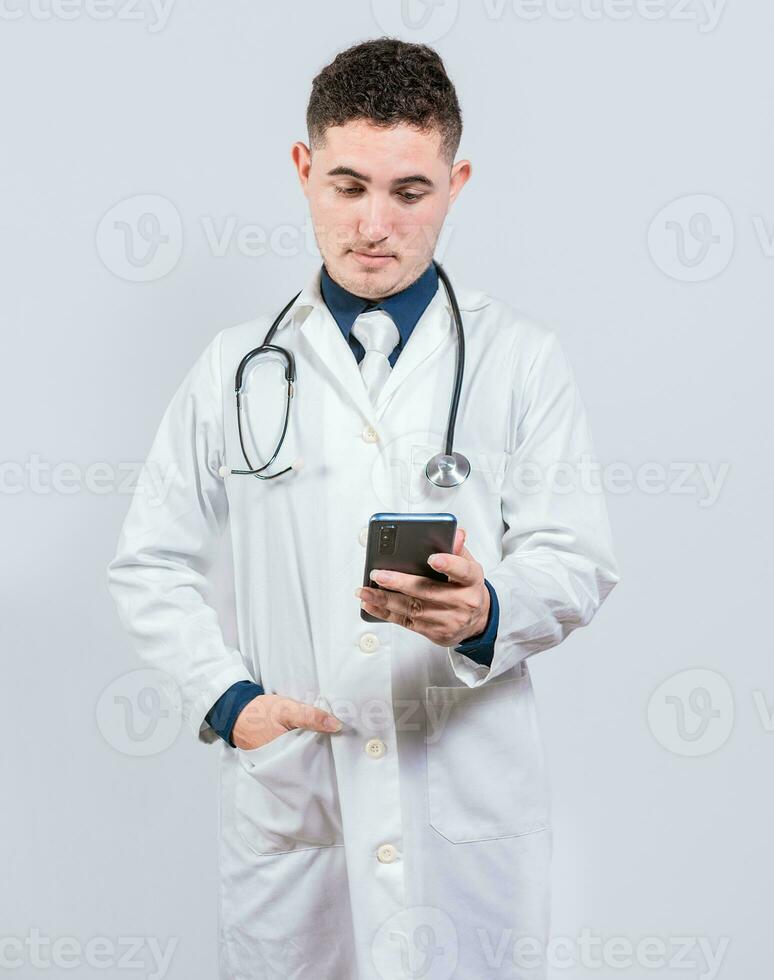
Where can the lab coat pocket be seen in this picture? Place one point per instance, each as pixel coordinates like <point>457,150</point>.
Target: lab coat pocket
<point>485,766</point>
<point>285,793</point>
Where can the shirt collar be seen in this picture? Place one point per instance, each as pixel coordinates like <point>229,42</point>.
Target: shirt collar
<point>405,307</point>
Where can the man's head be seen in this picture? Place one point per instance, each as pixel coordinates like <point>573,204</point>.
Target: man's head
<point>379,173</point>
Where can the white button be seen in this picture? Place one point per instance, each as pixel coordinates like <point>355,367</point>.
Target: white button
<point>369,642</point>
<point>386,853</point>
<point>363,536</point>
<point>375,748</point>
<point>369,434</point>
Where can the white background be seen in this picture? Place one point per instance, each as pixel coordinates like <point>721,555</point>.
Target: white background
<point>583,122</point>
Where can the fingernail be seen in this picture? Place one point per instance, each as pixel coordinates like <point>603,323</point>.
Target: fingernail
<point>380,577</point>
<point>333,724</point>
<point>435,561</point>
<point>358,592</point>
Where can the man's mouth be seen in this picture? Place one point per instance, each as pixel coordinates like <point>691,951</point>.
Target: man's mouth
<point>372,258</point>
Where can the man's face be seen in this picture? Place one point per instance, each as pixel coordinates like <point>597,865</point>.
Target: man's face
<point>378,199</point>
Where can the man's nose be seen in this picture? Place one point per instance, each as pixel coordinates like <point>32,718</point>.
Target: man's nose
<point>375,223</point>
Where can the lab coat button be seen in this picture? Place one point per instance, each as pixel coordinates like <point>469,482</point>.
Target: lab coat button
<point>369,434</point>
<point>363,536</point>
<point>386,853</point>
<point>369,642</point>
<point>375,748</point>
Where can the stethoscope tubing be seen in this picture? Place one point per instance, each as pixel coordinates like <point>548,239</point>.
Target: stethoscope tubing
<point>290,378</point>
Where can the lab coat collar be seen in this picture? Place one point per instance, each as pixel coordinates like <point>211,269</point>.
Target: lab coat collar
<point>319,329</point>
<point>311,295</point>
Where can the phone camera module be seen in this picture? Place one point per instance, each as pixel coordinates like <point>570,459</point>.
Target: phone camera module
<point>387,537</point>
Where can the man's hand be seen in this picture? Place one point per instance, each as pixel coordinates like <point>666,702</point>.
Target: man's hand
<point>445,612</point>
<point>269,715</point>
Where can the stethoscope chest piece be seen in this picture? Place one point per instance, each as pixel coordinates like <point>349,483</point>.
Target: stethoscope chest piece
<point>447,469</point>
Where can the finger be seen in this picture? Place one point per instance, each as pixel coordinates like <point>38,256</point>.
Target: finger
<point>459,541</point>
<point>386,602</point>
<point>460,545</point>
<point>398,610</point>
<point>315,719</point>
<point>420,586</point>
<point>461,569</point>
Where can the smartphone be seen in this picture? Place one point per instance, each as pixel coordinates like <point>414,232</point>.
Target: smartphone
<point>403,543</point>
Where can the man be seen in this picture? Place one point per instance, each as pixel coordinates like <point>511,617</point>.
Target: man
<point>384,810</point>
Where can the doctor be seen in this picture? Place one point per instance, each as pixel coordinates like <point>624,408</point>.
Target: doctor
<point>384,804</point>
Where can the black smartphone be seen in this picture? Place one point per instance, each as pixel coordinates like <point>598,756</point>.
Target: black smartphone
<point>403,543</point>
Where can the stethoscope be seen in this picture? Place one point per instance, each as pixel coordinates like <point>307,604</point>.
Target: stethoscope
<point>446,469</point>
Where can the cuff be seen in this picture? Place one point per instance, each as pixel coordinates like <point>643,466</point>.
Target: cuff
<point>480,648</point>
<point>224,713</point>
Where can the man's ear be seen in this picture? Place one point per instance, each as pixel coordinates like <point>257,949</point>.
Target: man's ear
<point>460,175</point>
<point>301,156</point>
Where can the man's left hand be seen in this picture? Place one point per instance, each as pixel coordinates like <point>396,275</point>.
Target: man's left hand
<point>445,612</point>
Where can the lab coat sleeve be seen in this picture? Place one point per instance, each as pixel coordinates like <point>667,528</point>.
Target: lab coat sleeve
<point>168,541</point>
<point>557,562</point>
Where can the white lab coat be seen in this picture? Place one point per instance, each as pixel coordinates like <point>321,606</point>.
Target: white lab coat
<point>440,758</point>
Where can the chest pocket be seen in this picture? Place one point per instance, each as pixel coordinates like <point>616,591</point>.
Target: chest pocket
<point>285,793</point>
<point>485,764</point>
<point>481,489</point>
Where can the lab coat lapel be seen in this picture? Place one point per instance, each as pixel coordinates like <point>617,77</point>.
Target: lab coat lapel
<point>326,344</point>
<point>426,336</point>
<point>325,341</point>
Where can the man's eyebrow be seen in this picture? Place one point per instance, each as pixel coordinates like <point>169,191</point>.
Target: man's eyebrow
<point>399,181</point>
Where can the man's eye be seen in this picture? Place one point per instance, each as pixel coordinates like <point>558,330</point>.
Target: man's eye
<point>410,198</point>
<point>349,191</point>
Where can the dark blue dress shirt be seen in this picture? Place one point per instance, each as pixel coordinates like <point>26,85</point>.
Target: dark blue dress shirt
<point>405,308</point>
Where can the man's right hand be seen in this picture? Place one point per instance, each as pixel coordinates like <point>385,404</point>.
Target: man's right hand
<point>269,715</point>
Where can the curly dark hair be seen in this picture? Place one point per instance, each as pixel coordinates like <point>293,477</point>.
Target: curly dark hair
<point>387,82</point>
